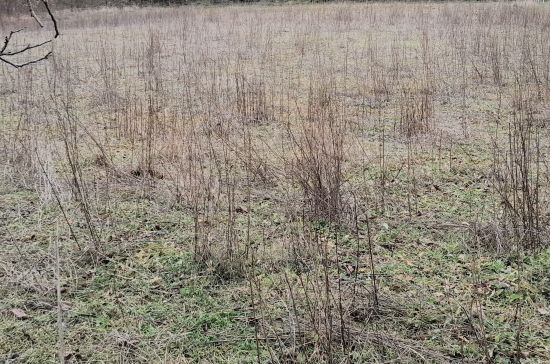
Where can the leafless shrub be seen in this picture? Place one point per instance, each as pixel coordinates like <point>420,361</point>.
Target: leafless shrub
<point>319,154</point>
<point>517,182</point>
<point>252,103</point>
<point>416,113</point>
<point>496,62</point>
<point>490,236</point>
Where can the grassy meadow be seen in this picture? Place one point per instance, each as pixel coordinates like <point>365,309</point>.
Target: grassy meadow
<point>291,183</point>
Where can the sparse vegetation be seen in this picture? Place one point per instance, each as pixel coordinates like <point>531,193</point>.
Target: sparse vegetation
<point>320,183</point>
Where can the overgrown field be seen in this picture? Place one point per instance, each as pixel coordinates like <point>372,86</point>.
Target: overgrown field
<point>335,183</point>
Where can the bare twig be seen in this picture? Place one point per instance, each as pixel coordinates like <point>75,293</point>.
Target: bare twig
<point>33,14</point>
<point>54,21</point>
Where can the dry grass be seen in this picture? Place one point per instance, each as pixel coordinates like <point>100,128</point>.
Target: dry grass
<point>288,183</point>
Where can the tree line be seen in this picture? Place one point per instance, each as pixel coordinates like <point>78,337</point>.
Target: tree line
<point>16,7</point>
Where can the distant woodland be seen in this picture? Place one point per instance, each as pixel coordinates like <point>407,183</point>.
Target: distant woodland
<point>13,7</point>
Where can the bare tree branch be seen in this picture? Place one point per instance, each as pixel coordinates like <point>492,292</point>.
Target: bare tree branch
<point>21,65</point>
<point>33,14</point>
<point>45,2</point>
<point>8,38</point>
<point>28,47</point>
<point>3,51</point>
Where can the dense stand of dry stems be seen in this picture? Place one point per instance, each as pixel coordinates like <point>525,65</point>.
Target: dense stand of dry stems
<point>312,112</point>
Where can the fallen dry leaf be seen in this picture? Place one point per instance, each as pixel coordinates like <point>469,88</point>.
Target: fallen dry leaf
<point>241,209</point>
<point>155,280</point>
<point>19,313</point>
<point>65,305</point>
<point>128,343</point>
<point>543,310</point>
